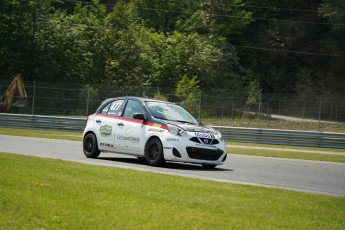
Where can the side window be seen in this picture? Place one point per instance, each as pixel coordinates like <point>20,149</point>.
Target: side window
<point>133,107</point>
<point>115,108</point>
<point>105,109</point>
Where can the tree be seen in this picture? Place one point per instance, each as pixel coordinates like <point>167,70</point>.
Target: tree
<point>254,90</point>
<point>18,27</point>
<point>124,49</point>
<point>334,11</point>
<point>162,16</point>
<point>216,17</point>
<point>72,44</point>
<point>188,90</point>
<point>287,46</point>
<point>287,40</point>
<point>159,96</point>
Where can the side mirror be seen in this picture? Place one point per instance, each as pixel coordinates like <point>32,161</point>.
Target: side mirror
<point>139,116</point>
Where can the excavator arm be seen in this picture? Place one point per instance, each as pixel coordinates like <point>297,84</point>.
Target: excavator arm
<point>17,84</point>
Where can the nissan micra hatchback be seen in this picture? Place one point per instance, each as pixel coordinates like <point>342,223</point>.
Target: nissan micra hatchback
<point>155,130</point>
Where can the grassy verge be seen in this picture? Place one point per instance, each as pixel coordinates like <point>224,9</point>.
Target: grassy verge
<point>286,147</point>
<point>338,127</point>
<point>37,193</point>
<point>286,154</point>
<point>73,136</point>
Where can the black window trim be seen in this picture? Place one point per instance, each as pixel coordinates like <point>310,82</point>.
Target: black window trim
<point>108,102</point>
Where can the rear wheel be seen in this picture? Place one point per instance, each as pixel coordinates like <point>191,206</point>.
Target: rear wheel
<point>90,146</point>
<point>154,152</point>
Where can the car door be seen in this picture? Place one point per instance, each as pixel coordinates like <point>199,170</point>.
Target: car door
<point>129,131</point>
<point>105,124</point>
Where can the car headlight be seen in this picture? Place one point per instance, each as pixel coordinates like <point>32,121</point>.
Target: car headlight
<point>176,130</point>
<point>214,131</point>
<point>220,137</point>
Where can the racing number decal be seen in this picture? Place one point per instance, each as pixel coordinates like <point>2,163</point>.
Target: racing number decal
<point>116,106</point>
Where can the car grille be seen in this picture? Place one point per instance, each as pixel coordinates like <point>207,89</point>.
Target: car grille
<point>204,154</point>
<point>204,141</point>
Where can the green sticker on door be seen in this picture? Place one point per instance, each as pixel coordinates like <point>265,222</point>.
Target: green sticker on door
<point>105,130</point>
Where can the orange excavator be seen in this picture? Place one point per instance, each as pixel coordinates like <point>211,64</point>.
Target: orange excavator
<point>7,98</point>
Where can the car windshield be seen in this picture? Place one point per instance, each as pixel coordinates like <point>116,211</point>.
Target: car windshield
<point>170,112</point>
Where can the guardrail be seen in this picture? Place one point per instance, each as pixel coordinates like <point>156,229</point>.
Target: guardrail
<point>283,137</point>
<point>42,122</point>
<point>235,134</point>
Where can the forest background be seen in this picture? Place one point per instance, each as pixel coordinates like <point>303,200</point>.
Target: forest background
<point>283,46</point>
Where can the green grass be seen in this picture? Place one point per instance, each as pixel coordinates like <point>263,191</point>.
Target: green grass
<point>37,193</point>
<point>287,154</point>
<point>286,147</point>
<point>73,136</point>
<point>338,127</point>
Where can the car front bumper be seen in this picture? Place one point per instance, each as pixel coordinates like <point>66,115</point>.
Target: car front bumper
<point>182,149</point>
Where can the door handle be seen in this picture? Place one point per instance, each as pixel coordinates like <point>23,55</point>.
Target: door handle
<point>120,124</point>
<point>98,121</point>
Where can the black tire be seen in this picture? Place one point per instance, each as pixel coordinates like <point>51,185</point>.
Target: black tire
<point>90,146</point>
<point>209,166</point>
<point>154,152</point>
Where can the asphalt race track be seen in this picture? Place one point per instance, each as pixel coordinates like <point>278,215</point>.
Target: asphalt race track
<point>308,176</point>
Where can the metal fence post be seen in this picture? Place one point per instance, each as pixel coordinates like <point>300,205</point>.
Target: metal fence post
<point>33,99</point>
<point>87,100</point>
<point>279,108</point>
<point>199,106</point>
<point>320,108</point>
<point>259,106</point>
<point>303,110</point>
<point>232,110</point>
<point>336,113</point>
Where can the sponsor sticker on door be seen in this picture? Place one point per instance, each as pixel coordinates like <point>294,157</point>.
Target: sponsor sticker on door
<point>105,130</point>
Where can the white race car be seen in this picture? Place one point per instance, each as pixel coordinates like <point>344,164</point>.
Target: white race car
<point>155,130</point>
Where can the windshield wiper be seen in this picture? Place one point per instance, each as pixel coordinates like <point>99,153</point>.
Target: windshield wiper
<point>162,118</point>
<point>184,121</point>
<point>166,119</point>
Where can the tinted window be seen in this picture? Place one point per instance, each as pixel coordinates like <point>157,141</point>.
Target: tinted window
<point>105,109</point>
<point>115,108</point>
<point>133,107</point>
<point>168,111</point>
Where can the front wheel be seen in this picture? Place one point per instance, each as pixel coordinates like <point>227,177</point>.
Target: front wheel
<point>154,152</point>
<point>90,146</point>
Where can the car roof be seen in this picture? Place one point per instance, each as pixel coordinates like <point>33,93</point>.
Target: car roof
<point>142,99</point>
